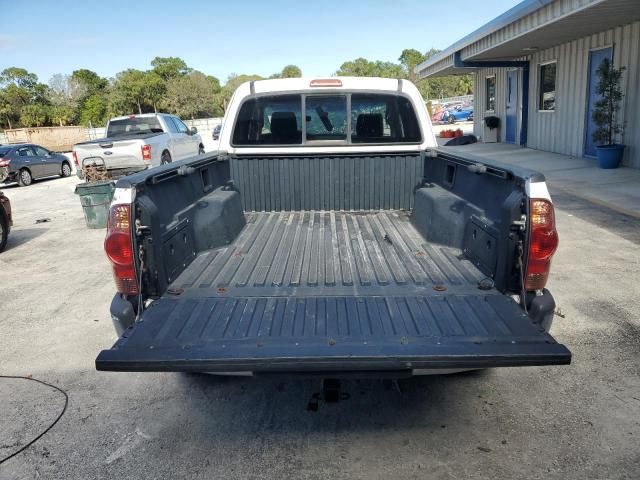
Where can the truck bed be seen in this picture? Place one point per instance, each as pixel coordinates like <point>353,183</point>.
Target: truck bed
<point>324,290</point>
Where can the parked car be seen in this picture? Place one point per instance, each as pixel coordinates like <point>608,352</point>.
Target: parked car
<point>137,142</point>
<point>216,132</point>
<point>460,115</point>
<point>332,236</point>
<point>24,162</point>
<point>6,221</point>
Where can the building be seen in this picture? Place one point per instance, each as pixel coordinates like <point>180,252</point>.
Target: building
<point>534,68</point>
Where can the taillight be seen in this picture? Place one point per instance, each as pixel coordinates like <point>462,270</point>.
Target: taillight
<point>543,242</point>
<point>325,82</point>
<point>75,159</point>
<point>119,248</point>
<point>146,152</point>
<point>5,163</point>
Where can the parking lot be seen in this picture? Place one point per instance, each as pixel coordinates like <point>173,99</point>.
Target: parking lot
<point>580,421</point>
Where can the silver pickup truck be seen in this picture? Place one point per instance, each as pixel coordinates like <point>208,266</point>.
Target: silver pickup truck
<point>137,142</point>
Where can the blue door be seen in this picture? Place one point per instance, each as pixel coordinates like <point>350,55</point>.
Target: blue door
<point>512,106</point>
<point>595,57</point>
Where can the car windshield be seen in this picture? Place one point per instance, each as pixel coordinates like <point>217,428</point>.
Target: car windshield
<point>4,151</point>
<point>134,126</point>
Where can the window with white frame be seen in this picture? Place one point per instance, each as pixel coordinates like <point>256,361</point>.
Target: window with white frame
<point>490,93</point>
<point>547,87</point>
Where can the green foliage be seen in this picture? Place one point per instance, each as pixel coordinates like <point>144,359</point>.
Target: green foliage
<point>170,67</point>
<point>90,80</point>
<point>361,67</point>
<point>409,58</point>
<point>94,111</point>
<point>191,96</point>
<point>171,85</point>
<point>128,92</point>
<point>291,71</point>
<point>233,82</point>
<point>606,108</point>
<point>33,115</point>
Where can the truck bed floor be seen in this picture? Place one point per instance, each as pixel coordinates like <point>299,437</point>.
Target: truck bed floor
<point>328,253</point>
<point>321,291</point>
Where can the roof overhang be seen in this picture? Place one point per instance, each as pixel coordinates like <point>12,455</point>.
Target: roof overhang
<point>530,26</point>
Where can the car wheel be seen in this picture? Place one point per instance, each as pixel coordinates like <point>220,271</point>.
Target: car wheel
<point>165,158</point>
<point>66,170</point>
<point>452,119</point>
<point>24,178</point>
<point>4,232</point>
<point>201,150</point>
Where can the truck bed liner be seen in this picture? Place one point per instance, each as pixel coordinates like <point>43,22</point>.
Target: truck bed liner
<point>311,291</point>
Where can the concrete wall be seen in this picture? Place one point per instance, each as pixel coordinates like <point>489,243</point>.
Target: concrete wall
<point>563,130</point>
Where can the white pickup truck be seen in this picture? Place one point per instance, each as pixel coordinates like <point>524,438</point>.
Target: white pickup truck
<point>331,236</point>
<point>137,142</point>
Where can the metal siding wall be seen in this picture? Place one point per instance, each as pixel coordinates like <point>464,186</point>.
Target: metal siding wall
<point>327,183</point>
<point>563,130</point>
<point>545,15</point>
<point>501,100</point>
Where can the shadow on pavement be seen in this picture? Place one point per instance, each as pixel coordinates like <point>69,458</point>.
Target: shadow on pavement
<point>21,236</point>
<point>601,216</point>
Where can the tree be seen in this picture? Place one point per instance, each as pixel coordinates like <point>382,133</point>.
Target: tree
<point>409,59</point>
<point>154,88</point>
<point>233,81</point>
<point>169,67</point>
<point>65,94</point>
<point>129,91</point>
<point>606,108</point>
<point>361,67</point>
<point>291,71</point>
<point>18,89</point>
<point>191,96</point>
<point>91,81</point>
<point>94,110</point>
<point>34,115</point>
<point>19,77</point>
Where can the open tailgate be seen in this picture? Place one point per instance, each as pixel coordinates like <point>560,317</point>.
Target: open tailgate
<point>317,334</point>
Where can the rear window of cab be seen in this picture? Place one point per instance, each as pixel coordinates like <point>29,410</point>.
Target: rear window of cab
<point>320,119</point>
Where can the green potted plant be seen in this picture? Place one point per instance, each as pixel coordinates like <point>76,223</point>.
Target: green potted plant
<point>605,114</point>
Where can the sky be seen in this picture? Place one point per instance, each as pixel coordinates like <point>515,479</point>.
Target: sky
<point>231,36</point>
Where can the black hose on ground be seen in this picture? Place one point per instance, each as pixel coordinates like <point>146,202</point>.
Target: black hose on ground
<point>64,409</point>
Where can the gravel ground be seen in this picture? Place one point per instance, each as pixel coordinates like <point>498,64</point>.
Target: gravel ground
<point>580,421</point>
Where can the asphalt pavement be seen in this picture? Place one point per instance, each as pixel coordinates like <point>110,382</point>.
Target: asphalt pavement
<point>571,422</point>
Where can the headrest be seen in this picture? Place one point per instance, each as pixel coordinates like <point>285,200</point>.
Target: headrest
<point>284,125</point>
<point>369,125</point>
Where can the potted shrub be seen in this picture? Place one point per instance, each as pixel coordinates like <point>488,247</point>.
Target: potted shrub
<point>605,114</point>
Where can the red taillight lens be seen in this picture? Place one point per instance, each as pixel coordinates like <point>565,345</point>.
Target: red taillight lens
<point>543,242</point>
<point>146,152</point>
<point>75,159</point>
<point>5,163</point>
<point>119,248</point>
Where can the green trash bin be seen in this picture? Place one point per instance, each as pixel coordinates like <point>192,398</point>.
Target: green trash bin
<point>95,198</point>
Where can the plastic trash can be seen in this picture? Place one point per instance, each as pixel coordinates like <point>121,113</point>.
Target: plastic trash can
<point>95,198</point>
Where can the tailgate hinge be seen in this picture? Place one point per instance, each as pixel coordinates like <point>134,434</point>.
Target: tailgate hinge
<point>520,224</point>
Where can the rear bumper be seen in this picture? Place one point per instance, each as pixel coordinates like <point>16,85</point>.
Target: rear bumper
<point>7,175</point>
<point>541,310</point>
